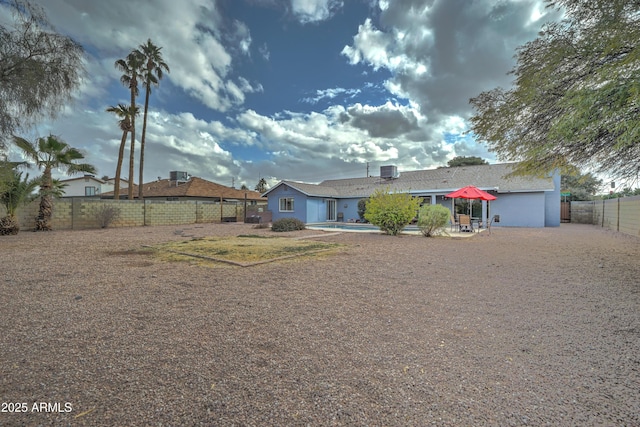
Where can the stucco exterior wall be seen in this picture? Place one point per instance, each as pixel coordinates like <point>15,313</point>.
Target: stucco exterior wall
<point>299,203</point>
<point>552,204</point>
<point>520,209</point>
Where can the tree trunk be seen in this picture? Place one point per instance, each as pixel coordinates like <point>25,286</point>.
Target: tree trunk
<point>132,157</point>
<point>116,189</point>
<point>43,220</point>
<point>142,141</point>
<point>9,225</point>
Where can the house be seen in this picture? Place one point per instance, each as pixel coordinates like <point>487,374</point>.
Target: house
<point>180,186</point>
<point>89,186</point>
<point>521,201</point>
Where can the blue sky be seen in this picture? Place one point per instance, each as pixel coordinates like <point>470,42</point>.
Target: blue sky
<point>302,90</point>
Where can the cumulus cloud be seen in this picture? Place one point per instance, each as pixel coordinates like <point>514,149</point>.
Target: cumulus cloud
<point>197,41</point>
<point>308,11</point>
<point>443,52</point>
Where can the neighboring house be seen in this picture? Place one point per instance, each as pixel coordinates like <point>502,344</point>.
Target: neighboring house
<point>88,186</point>
<point>521,201</point>
<point>184,187</point>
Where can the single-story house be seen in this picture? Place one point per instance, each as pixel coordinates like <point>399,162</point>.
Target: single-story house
<point>521,201</point>
<point>89,186</point>
<point>181,187</point>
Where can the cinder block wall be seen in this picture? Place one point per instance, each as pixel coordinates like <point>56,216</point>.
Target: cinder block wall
<point>621,214</point>
<point>81,213</point>
<point>159,212</point>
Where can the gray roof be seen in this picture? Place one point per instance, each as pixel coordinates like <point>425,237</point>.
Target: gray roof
<point>438,181</point>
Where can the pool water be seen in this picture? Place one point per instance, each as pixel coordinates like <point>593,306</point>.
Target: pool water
<point>352,227</point>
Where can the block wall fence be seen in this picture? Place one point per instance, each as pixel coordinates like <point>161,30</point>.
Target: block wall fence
<point>622,214</point>
<point>81,213</point>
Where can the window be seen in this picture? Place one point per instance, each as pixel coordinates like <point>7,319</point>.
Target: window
<point>89,191</point>
<point>286,204</point>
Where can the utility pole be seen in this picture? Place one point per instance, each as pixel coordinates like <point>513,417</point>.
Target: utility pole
<point>367,169</point>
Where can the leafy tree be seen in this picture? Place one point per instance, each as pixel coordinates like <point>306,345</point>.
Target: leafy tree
<point>466,161</point>
<point>575,94</point>
<point>625,192</point>
<point>39,68</point>
<point>152,74</point>
<point>51,153</point>
<point>432,219</point>
<point>391,211</point>
<point>261,187</point>
<point>125,114</point>
<point>16,191</point>
<point>244,187</point>
<point>131,68</point>
<point>581,187</point>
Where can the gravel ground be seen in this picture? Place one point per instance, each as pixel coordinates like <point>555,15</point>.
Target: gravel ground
<point>520,327</point>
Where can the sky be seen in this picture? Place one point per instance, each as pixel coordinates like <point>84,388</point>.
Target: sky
<point>302,90</point>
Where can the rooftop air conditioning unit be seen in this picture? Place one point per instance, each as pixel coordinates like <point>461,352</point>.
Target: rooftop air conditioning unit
<point>389,172</point>
<point>178,176</point>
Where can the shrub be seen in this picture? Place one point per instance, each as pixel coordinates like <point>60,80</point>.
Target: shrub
<point>106,214</point>
<point>432,219</point>
<point>287,224</point>
<point>391,211</point>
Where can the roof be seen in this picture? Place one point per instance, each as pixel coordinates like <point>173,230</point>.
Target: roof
<point>194,187</point>
<point>84,177</point>
<point>442,180</point>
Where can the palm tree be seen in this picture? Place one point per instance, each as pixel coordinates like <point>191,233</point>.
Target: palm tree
<point>131,68</point>
<point>125,114</point>
<point>153,72</point>
<point>51,153</point>
<point>16,191</point>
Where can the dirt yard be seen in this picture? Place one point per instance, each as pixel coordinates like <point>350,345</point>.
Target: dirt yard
<point>520,327</point>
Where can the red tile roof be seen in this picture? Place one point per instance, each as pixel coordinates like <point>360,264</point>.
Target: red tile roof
<point>194,187</point>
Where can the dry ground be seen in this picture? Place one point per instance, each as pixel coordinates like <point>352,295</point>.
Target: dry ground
<point>521,327</point>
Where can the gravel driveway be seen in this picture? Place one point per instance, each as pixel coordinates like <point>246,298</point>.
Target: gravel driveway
<point>520,327</point>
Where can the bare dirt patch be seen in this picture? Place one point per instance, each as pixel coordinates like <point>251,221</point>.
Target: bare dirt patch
<point>520,327</point>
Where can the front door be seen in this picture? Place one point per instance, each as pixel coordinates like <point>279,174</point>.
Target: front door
<point>331,209</point>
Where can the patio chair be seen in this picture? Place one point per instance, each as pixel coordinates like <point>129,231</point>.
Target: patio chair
<point>465,223</point>
<point>455,225</point>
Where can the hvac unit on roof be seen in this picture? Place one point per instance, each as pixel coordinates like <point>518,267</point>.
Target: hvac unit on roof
<point>389,172</point>
<point>178,176</point>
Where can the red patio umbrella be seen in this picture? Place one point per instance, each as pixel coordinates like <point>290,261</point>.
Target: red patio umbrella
<point>470,192</point>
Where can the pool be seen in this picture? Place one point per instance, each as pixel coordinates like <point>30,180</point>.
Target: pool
<point>353,227</point>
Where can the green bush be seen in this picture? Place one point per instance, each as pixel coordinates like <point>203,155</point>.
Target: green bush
<point>287,224</point>
<point>391,211</point>
<point>432,219</point>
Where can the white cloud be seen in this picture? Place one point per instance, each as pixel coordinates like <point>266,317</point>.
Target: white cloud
<point>444,53</point>
<point>308,11</point>
<point>197,42</point>
<point>331,94</point>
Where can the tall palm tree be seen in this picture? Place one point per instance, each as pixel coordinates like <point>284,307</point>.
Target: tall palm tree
<point>124,113</point>
<point>51,153</point>
<point>131,68</point>
<point>153,71</point>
